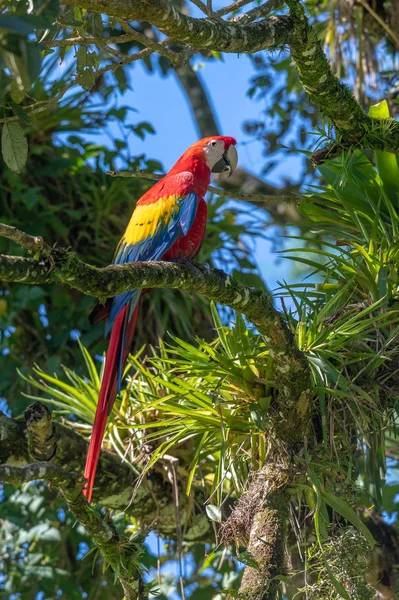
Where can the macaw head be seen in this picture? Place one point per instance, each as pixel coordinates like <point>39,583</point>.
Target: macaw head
<point>220,154</point>
<point>217,153</point>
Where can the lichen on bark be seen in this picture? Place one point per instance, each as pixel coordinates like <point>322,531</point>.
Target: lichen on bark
<point>259,524</point>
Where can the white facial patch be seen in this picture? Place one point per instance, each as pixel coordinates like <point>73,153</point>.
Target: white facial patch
<point>213,152</point>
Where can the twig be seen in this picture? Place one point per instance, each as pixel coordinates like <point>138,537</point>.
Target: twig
<point>232,7</point>
<point>90,39</point>
<point>380,21</point>
<point>259,11</point>
<point>179,58</point>
<point>199,4</point>
<point>128,37</point>
<point>32,243</point>
<point>254,198</point>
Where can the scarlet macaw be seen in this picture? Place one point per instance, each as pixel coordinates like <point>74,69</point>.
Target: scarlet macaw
<point>167,223</point>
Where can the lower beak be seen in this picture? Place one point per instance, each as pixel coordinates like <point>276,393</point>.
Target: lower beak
<point>228,162</point>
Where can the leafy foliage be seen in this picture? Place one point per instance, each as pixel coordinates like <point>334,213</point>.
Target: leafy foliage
<point>209,404</point>
<point>41,547</point>
<point>361,52</point>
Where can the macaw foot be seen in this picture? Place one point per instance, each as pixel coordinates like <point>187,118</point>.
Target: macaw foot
<point>191,266</point>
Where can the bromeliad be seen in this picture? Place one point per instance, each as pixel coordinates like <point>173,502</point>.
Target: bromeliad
<point>167,223</point>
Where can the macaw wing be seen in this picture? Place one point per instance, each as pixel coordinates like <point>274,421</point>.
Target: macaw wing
<point>153,229</point>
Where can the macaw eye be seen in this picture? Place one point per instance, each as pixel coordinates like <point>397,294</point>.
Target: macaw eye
<point>213,144</point>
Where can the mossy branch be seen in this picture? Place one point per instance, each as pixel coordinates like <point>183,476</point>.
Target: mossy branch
<point>120,553</point>
<point>202,33</point>
<point>354,128</point>
<point>290,365</point>
<point>40,432</point>
<point>334,99</point>
<point>151,502</point>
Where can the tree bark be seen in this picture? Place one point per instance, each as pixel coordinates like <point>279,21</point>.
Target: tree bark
<point>259,523</point>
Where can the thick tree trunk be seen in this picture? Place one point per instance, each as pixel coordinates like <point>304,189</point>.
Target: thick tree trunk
<point>259,523</point>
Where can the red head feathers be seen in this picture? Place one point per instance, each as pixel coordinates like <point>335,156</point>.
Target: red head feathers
<point>214,154</point>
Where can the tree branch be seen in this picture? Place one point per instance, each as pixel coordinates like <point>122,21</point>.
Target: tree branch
<point>233,7</point>
<point>32,243</point>
<point>333,99</point>
<point>263,199</point>
<point>151,503</point>
<point>120,553</point>
<point>200,33</point>
<point>259,11</point>
<point>259,523</point>
<point>290,365</point>
<point>53,474</point>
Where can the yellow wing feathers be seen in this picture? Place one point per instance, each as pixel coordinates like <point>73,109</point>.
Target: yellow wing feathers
<point>146,218</point>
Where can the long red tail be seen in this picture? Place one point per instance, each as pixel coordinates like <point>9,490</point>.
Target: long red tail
<point>118,350</point>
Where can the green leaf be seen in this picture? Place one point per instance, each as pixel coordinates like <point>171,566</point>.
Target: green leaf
<point>380,110</point>
<point>346,511</point>
<point>91,368</point>
<point>86,63</point>
<point>14,146</point>
<point>96,24</point>
<point>17,92</point>
<point>17,25</point>
<point>20,113</point>
<point>214,513</point>
<point>387,164</point>
<point>87,79</point>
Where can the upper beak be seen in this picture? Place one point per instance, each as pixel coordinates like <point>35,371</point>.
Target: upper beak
<point>228,162</point>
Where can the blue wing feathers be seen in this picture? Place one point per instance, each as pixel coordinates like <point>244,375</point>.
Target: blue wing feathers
<point>188,212</point>
<point>153,248</point>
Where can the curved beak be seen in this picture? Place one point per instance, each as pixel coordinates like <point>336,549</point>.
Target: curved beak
<point>228,162</point>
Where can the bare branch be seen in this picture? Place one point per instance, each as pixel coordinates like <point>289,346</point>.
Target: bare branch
<point>233,7</point>
<point>199,4</point>
<point>259,11</point>
<point>32,243</point>
<point>262,199</point>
